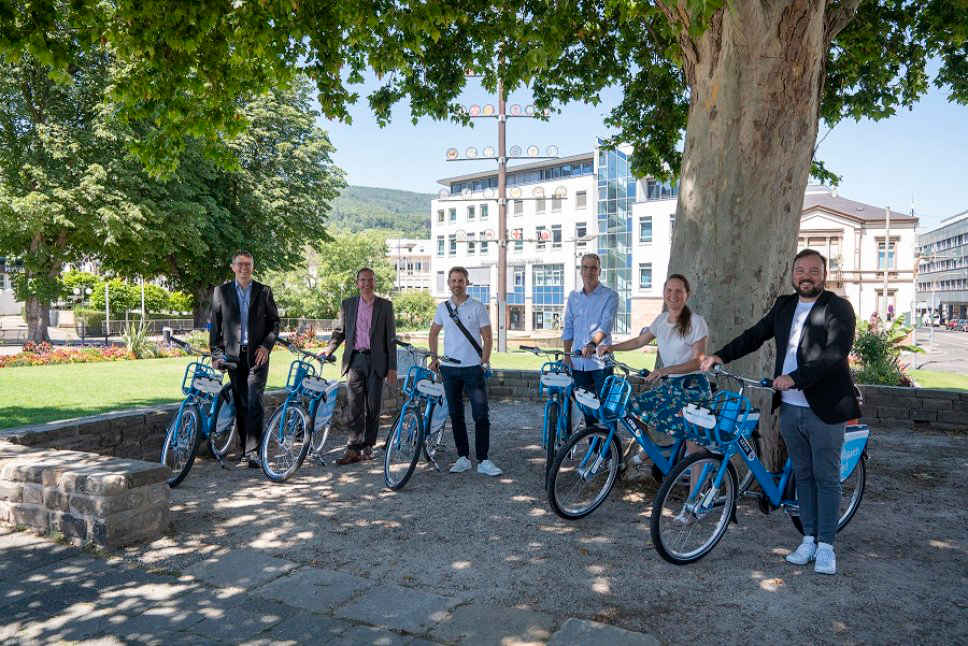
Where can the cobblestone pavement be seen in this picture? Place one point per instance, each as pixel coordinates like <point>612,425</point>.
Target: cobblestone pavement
<point>332,557</point>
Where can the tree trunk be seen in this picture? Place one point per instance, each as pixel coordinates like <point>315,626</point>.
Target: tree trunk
<point>37,313</point>
<point>203,306</point>
<point>755,78</point>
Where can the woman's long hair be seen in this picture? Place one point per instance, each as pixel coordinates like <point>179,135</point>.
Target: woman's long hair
<point>684,324</point>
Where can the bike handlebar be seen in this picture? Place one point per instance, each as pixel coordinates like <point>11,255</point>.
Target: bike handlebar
<point>765,382</point>
<point>425,354</point>
<point>321,358</point>
<point>221,364</point>
<point>611,361</point>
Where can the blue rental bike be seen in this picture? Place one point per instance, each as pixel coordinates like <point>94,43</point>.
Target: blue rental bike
<point>697,500</point>
<point>586,467</point>
<point>419,428</point>
<point>300,425</point>
<point>555,380</point>
<point>208,411</point>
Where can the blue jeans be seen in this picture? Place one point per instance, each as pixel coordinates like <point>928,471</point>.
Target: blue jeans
<point>814,447</point>
<point>469,380</point>
<point>591,380</point>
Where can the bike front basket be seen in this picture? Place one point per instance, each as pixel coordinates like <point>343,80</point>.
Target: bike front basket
<point>720,420</point>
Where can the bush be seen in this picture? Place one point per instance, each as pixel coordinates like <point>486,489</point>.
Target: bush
<point>42,354</point>
<point>878,354</point>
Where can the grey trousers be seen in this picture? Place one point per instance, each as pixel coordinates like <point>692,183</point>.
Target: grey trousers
<point>364,398</point>
<point>814,447</point>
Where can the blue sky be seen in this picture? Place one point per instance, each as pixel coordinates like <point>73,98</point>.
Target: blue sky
<point>919,155</point>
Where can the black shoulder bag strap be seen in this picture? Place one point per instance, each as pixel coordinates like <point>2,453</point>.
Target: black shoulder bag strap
<point>460,326</point>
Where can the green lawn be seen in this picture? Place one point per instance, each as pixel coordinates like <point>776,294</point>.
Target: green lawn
<point>37,394</point>
<point>946,380</point>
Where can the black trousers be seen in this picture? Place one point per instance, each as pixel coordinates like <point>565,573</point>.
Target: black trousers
<point>248,386</point>
<point>364,399</point>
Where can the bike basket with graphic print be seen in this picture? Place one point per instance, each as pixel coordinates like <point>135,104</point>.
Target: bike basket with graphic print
<point>299,370</point>
<point>720,419</point>
<point>324,414</point>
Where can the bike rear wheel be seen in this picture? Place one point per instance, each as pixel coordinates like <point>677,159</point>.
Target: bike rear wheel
<point>433,445</point>
<point>688,519</point>
<point>223,433</point>
<point>178,451</point>
<point>551,438</point>
<point>404,444</point>
<point>583,473</point>
<point>284,448</point>
<point>851,493</point>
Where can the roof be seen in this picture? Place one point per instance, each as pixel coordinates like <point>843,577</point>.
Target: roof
<point>827,199</point>
<point>544,163</point>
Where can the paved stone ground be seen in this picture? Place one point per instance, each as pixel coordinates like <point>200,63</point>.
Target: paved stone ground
<point>333,557</point>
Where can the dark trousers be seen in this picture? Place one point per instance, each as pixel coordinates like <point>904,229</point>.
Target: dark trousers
<point>591,380</point>
<point>364,398</point>
<point>814,447</point>
<point>470,380</point>
<point>248,385</point>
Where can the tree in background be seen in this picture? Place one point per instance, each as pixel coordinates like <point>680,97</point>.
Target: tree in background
<point>414,308</point>
<point>316,288</point>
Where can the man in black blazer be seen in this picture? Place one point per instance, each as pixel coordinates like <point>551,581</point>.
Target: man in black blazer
<point>366,324</point>
<point>814,332</point>
<point>245,324</point>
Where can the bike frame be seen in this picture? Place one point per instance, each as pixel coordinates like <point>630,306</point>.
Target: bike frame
<point>299,370</point>
<point>558,395</point>
<point>198,398</point>
<point>417,399</point>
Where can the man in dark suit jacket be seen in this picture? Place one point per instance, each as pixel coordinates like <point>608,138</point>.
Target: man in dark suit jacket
<point>245,324</point>
<point>366,324</point>
<point>814,333</point>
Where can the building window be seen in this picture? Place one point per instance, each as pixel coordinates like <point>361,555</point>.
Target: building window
<point>645,275</point>
<point>891,260</point>
<point>656,190</point>
<point>471,243</point>
<point>440,215</point>
<point>440,245</point>
<point>452,245</point>
<point>471,214</point>
<point>555,205</point>
<point>556,236</point>
<point>581,199</point>
<point>518,235</point>
<point>539,205</point>
<point>483,242</point>
<point>540,234</point>
<point>581,230</point>
<point>645,228</point>
<point>440,281</point>
<point>453,215</point>
<point>483,211</point>
<point>518,207</point>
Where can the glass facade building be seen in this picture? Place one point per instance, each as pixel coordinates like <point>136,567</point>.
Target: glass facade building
<point>616,195</point>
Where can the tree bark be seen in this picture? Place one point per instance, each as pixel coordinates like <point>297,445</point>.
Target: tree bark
<point>755,78</point>
<point>203,306</point>
<point>37,313</point>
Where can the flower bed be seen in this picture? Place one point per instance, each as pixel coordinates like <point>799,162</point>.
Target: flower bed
<point>43,354</point>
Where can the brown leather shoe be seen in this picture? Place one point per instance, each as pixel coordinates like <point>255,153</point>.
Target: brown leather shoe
<point>351,456</point>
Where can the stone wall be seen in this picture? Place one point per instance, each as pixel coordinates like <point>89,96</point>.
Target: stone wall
<point>139,433</point>
<point>86,497</point>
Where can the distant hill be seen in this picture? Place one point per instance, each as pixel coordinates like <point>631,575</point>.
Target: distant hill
<point>365,207</point>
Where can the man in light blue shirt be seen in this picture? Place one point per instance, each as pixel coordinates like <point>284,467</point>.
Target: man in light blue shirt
<point>244,293</point>
<point>589,317</point>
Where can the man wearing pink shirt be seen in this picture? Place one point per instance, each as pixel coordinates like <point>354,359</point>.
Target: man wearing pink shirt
<point>366,325</point>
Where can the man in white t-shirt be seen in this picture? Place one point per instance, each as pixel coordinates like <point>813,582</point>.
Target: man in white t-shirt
<point>467,338</point>
<point>814,332</point>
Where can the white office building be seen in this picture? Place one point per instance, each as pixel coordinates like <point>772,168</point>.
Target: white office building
<point>629,222</point>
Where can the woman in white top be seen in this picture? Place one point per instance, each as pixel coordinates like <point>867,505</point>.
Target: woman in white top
<point>681,336</point>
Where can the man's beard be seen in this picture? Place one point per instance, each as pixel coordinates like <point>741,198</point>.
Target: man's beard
<point>811,293</point>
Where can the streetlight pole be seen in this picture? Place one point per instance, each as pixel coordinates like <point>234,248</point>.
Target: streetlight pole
<point>502,221</point>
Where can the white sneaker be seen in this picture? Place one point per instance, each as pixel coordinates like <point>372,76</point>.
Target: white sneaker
<point>805,553</point>
<point>462,465</point>
<point>488,468</point>
<point>826,559</point>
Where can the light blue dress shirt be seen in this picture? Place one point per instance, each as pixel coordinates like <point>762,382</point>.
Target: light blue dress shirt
<point>586,314</point>
<point>244,295</point>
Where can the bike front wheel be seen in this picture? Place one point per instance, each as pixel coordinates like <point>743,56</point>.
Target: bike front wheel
<point>851,493</point>
<point>583,473</point>
<point>179,449</point>
<point>689,515</point>
<point>285,443</point>
<point>404,444</point>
